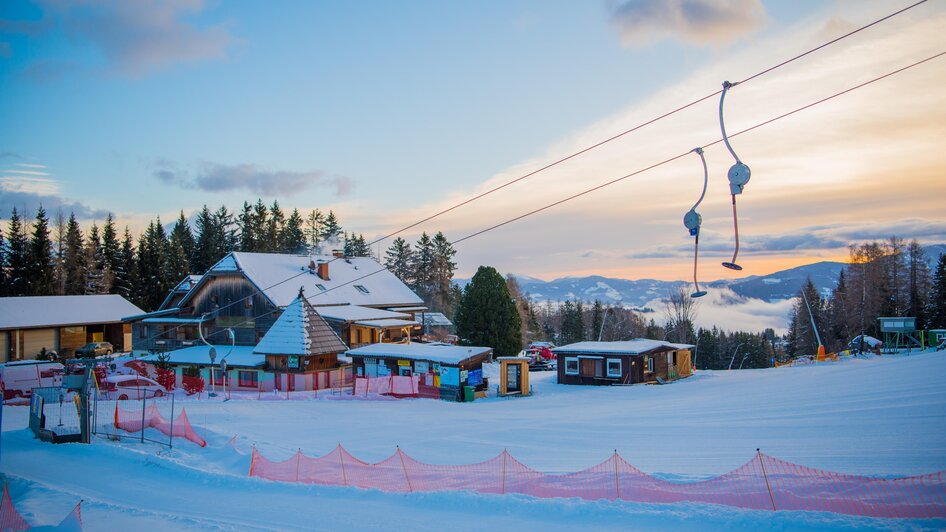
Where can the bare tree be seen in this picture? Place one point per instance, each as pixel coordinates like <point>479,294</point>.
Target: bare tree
<point>680,313</point>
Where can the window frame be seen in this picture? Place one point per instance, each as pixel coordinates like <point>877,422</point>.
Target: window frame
<point>620,371</point>
<point>247,383</point>
<point>650,364</point>
<point>362,288</point>
<point>577,369</point>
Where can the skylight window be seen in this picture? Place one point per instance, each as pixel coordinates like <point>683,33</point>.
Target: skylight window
<point>362,289</point>
<point>320,287</point>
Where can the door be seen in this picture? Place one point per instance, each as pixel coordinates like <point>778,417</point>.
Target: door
<point>513,378</point>
<point>371,368</point>
<point>637,370</point>
<point>587,367</point>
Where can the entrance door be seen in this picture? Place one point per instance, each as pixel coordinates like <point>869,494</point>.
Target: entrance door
<point>512,378</point>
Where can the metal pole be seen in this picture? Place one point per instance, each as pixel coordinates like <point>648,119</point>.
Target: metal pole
<point>144,402</point>
<point>171,435</point>
<point>734,354</point>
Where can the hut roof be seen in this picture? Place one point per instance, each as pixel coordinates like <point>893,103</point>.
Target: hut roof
<point>300,330</point>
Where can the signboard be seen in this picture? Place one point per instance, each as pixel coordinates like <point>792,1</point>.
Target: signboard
<point>404,363</point>
<point>421,367</point>
<point>293,361</point>
<point>475,377</point>
<point>449,376</point>
<point>384,370</point>
<point>463,374</point>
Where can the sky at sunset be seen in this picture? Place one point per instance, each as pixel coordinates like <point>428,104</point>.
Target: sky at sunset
<point>387,112</point>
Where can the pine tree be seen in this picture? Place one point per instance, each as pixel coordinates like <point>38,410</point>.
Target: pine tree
<point>110,244</point>
<point>398,259</point>
<point>213,239</point>
<point>441,279</point>
<point>152,267</point>
<point>936,306</point>
<point>422,270</point>
<point>126,269</point>
<point>293,238</point>
<point>228,229</point>
<point>331,230</point>
<point>246,221</point>
<point>487,316</point>
<point>838,330</point>
<point>181,236</point>
<point>275,230</point>
<point>98,280</point>
<point>17,259</point>
<point>59,246</point>
<point>75,263</point>
<point>313,231</point>
<point>3,266</point>
<point>355,246</point>
<point>919,283</point>
<point>40,258</point>
<point>597,319</point>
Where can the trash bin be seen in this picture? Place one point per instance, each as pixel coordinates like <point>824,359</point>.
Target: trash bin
<point>469,392</point>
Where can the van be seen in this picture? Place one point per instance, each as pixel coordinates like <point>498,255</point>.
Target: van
<point>18,379</point>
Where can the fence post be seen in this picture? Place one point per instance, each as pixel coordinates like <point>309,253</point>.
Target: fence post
<point>766,477</point>
<point>171,435</point>
<point>341,458</point>
<point>617,486</point>
<point>298,461</point>
<point>144,402</point>
<point>401,456</point>
<point>505,453</point>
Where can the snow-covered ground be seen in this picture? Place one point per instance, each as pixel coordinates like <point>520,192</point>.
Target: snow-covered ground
<point>882,416</point>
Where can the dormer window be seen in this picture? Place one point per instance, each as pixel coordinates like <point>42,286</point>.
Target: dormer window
<point>362,289</point>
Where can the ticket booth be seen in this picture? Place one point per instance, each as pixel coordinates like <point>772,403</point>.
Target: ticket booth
<point>513,376</point>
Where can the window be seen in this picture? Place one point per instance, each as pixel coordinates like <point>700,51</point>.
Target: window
<point>218,377</point>
<point>571,366</point>
<point>650,365</point>
<point>248,302</point>
<point>361,288</point>
<point>320,287</point>
<point>248,379</point>
<point>614,367</point>
<point>143,331</point>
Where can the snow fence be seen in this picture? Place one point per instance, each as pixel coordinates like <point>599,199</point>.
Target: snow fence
<point>10,518</point>
<point>134,422</point>
<point>763,483</point>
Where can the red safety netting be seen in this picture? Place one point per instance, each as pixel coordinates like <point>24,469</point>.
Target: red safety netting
<point>181,428</point>
<point>10,519</point>
<point>763,483</point>
<point>393,385</point>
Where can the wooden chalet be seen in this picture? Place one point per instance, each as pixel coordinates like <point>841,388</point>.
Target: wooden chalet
<point>629,362</point>
<point>246,292</point>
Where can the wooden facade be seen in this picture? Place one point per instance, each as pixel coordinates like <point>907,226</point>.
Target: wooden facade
<point>26,344</point>
<point>606,367</point>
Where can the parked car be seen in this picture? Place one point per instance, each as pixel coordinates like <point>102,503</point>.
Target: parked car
<point>124,387</point>
<point>95,349</point>
<point>19,378</point>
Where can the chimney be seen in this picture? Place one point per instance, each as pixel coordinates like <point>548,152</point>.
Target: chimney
<point>323,271</point>
<point>338,253</point>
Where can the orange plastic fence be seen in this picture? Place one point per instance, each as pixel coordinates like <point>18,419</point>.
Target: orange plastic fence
<point>10,519</point>
<point>132,422</point>
<point>763,483</point>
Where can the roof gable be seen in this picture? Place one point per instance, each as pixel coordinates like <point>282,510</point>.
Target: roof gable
<point>301,331</point>
<point>636,346</point>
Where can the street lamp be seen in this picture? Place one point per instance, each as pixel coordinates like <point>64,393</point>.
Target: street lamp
<point>744,357</point>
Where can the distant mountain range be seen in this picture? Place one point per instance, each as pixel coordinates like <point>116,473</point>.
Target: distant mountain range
<point>638,293</point>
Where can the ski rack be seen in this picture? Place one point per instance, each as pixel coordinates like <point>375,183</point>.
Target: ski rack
<point>692,220</point>
<point>738,176</point>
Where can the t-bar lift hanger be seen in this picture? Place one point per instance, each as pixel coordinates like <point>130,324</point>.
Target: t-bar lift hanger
<point>692,220</point>
<point>738,177</point>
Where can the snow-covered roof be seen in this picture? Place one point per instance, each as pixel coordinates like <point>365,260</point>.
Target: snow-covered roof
<point>300,331</point>
<point>384,324</point>
<point>445,354</point>
<point>171,319</point>
<point>242,356</point>
<point>355,280</point>
<point>357,312</point>
<point>436,319</point>
<point>61,311</point>
<point>182,288</point>
<point>628,347</point>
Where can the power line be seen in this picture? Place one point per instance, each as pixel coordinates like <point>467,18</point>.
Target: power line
<point>639,126</point>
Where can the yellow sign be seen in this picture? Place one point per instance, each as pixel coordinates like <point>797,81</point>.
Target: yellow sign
<point>404,363</point>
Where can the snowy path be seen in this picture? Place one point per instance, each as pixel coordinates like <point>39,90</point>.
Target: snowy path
<point>885,416</point>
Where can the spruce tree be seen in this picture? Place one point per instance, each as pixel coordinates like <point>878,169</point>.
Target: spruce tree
<point>211,242</point>
<point>293,236</point>
<point>246,224</point>
<point>313,230</point>
<point>75,264</point>
<point>40,257</point>
<point>422,269</point>
<point>59,248</point>
<point>441,278</point>
<point>918,283</point>
<point>597,319</point>
<point>125,269</point>
<point>181,236</point>
<point>398,259</point>
<point>98,279</point>
<point>110,244</point>
<point>275,230</point>
<point>3,266</point>
<point>936,306</point>
<point>331,230</point>
<point>227,227</point>
<point>487,316</point>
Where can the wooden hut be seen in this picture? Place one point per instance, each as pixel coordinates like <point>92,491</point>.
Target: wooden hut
<point>513,376</point>
<point>628,362</point>
<point>301,348</point>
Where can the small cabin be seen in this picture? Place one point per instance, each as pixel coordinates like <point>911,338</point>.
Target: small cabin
<point>627,362</point>
<point>443,370</point>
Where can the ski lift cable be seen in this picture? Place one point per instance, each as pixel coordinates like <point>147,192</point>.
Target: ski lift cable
<point>642,170</point>
<point>640,126</point>
<point>593,189</point>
